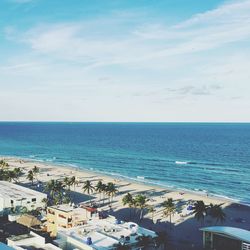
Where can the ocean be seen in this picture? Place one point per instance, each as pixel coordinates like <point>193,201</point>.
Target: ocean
<point>201,157</point>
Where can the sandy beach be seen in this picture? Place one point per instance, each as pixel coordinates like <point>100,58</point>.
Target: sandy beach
<point>185,228</point>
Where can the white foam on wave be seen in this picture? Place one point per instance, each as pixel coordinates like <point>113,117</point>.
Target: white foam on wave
<point>141,177</point>
<point>181,162</point>
<point>72,165</point>
<point>51,159</point>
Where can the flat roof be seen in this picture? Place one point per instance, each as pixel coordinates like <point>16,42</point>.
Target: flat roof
<point>17,192</point>
<point>105,232</point>
<point>63,207</point>
<point>99,240</point>
<point>35,246</point>
<point>31,241</point>
<point>67,208</point>
<point>21,237</point>
<point>233,232</point>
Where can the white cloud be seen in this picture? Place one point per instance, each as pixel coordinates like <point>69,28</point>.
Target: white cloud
<point>143,72</point>
<point>234,12</point>
<point>87,43</point>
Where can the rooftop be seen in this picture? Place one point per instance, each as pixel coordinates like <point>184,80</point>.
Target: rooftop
<point>66,208</point>
<point>21,237</point>
<point>105,233</point>
<point>17,192</point>
<point>232,232</point>
<point>63,207</point>
<point>31,241</point>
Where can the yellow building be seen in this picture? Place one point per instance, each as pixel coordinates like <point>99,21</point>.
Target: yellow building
<point>66,216</point>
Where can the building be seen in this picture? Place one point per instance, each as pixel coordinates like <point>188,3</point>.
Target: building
<point>101,234</point>
<point>229,238</point>
<point>66,216</point>
<point>30,241</point>
<point>14,197</point>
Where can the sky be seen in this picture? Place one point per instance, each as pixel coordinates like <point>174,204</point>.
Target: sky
<point>125,60</point>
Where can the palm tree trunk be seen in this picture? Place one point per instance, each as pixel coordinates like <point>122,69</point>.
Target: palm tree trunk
<point>141,214</point>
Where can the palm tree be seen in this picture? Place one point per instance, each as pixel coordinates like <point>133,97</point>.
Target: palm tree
<point>104,190</point>
<point>140,201</point>
<point>66,199</point>
<point>36,171</point>
<point>200,211</point>
<point>128,200</point>
<point>111,190</point>
<point>87,187</point>
<point>151,209</point>
<point>57,199</point>
<point>3,164</point>
<point>8,175</point>
<point>73,182</point>
<point>169,209</point>
<point>55,189</point>
<point>60,190</point>
<point>17,173</point>
<point>50,187</point>
<point>67,182</point>
<point>2,174</point>
<point>30,176</point>
<point>98,189</point>
<point>216,212</point>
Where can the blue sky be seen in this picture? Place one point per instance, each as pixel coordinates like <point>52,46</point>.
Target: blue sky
<point>125,60</point>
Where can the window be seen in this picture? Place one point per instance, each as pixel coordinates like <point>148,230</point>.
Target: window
<point>62,216</point>
<point>33,199</point>
<point>51,212</point>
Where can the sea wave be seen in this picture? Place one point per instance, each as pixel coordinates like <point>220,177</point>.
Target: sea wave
<point>140,177</point>
<point>170,181</point>
<point>181,162</point>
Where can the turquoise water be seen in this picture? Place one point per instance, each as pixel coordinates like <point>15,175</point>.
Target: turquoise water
<point>205,157</point>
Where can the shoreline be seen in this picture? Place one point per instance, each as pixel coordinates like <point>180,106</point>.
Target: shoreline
<point>186,226</point>
<point>138,181</point>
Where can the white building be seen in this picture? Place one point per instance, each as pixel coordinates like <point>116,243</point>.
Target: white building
<point>30,241</point>
<point>13,197</point>
<point>101,235</point>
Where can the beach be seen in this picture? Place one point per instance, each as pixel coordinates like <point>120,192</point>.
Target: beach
<point>184,229</point>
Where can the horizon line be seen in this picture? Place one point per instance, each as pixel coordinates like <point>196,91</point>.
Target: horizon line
<point>224,122</point>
